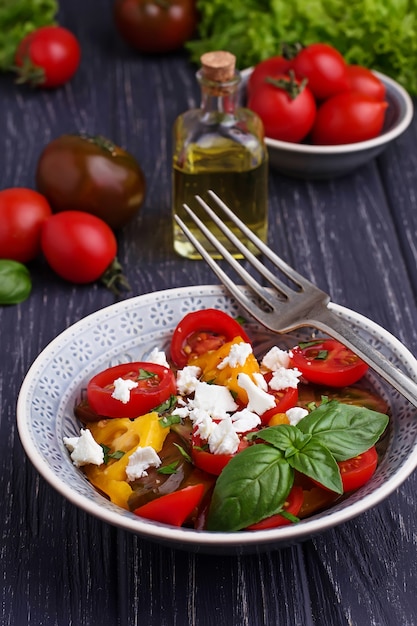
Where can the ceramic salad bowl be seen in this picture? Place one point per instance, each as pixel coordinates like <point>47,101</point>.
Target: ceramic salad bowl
<point>129,331</point>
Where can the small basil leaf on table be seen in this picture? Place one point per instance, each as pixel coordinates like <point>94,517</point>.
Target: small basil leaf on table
<point>253,485</point>
<point>344,429</point>
<point>15,282</point>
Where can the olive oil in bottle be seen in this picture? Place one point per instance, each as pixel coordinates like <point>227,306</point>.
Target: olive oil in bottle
<point>219,147</point>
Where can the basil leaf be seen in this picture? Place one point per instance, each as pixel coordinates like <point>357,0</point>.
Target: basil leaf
<point>346,430</point>
<point>286,438</point>
<point>253,485</point>
<point>15,282</point>
<point>315,461</point>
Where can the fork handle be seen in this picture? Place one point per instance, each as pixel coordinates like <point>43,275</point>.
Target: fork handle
<point>330,323</point>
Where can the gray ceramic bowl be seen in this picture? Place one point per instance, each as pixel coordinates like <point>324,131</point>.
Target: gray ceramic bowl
<point>128,331</point>
<point>324,162</point>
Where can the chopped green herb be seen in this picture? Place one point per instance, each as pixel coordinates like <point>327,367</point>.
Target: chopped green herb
<point>168,469</point>
<point>168,420</point>
<point>117,454</point>
<point>183,452</point>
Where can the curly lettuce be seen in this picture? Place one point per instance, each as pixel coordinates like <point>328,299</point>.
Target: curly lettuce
<point>17,19</point>
<point>380,34</point>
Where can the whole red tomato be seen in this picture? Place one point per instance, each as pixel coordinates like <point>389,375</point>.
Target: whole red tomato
<point>78,246</point>
<point>348,117</point>
<point>274,66</point>
<point>286,107</point>
<point>47,57</point>
<point>324,68</point>
<point>155,26</point>
<point>22,214</point>
<point>91,174</point>
<point>365,81</point>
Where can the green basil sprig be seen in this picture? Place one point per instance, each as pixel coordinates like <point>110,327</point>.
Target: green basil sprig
<point>256,482</point>
<point>15,282</point>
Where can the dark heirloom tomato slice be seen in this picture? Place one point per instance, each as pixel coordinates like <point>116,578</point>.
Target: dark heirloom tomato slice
<point>174,508</point>
<point>328,362</point>
<point>292,506</point>
<point>201,331</point>
<point>155,385</point>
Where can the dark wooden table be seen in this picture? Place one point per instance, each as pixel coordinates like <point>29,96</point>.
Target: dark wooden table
<point>355,237</point>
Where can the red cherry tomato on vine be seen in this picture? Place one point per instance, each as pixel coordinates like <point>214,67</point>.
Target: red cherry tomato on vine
<point>328,362</point>
<point>286,108</point>
<point>348,117</point>
<point>153,26</point>
<point>201,331</point>
<point>48,57</point>
<point>274,66</point>
<point>292,506</point>
<point>22,214</point>
<point>365,81</point>
<point>173,508</point>
<point>324,68</point>
<point>78,246</point>
<point>154,385</point>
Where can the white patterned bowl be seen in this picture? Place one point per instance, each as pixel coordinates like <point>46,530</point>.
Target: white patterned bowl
<point>128,331</point>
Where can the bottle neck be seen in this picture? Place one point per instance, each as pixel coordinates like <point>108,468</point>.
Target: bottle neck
<point>218,98</point>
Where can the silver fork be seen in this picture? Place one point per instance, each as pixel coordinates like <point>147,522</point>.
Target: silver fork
<point>285,308</point>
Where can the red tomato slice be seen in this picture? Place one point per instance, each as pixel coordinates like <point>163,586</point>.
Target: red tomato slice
<point>208,462</point>
<point>328,362</point>
<point>155,385</point>
<point>173,508</point>
<point>284,400</point>
<point>292,505</point>
<point>201,331</point>
<point>357,471</point>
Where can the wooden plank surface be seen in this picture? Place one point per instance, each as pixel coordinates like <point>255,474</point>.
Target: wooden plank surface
<point>354,237</point>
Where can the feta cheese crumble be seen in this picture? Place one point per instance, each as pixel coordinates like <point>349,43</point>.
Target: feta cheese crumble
<point>282,378</point>
<point>122,388</point>
<point>140,461</point>
<point>84,449</point>
<point>158,357</point>
<point>215,399</point>
<point>276,358</point>
<point>259,400</point>
<point>187,379</point>
<point>238,354</point>
<point>223,438</point>
<point>296,414</point>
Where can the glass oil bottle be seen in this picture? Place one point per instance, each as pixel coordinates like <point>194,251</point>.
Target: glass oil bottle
<point>219,146</point>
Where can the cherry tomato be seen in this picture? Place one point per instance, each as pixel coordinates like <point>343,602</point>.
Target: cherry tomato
<point>284,400</point>
<point>22,214</point>
<point>348,118</point>
<point>173,508</point>
<point>357,471</point>
<point>365,81</point>
<point>272,67</point>
<point>201,331</point>
<point>48,57</point>
<point>292,505</point>
<point>78,246</point>
<point>324,68</point>
<point>155,385</point>
<point>155,26</point>
<point>286,107</point>
<point>211,463</point>
<point>328,362</point>
<point>91,174</point>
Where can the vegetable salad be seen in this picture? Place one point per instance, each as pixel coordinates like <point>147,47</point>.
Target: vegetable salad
<point>213,438</point>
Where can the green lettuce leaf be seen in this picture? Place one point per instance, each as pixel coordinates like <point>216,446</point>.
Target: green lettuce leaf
<point>379,35</point>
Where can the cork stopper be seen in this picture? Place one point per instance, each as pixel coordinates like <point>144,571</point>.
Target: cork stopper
<point>218,66</point>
